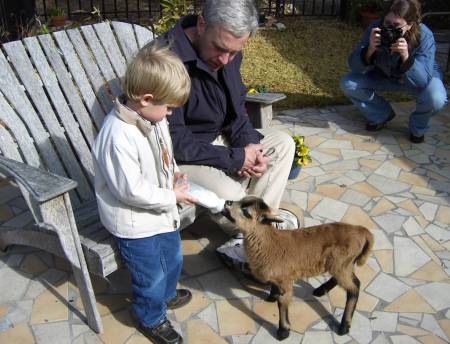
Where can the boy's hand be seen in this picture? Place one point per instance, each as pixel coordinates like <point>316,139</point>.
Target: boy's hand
<point>179,178</point>
<point>181,194</point>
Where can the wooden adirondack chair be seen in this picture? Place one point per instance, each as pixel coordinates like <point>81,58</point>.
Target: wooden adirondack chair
<point>55,90</point>
<point>54,93</point>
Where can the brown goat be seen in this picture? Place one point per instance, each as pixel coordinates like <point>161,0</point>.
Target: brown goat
<point>281,257</point>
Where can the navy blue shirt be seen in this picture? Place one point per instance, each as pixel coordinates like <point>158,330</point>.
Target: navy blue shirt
<point>216,106</point>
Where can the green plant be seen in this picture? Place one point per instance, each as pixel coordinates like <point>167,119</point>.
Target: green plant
<point>258,88</point>
<point>55,12</point>
<point>41,30</point>
<point>301,156</point>
<point>172,11</point>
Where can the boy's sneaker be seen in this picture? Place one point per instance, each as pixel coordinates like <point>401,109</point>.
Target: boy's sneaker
<point>163,333</point>
<point>160,334</point>
<point>182,298</point>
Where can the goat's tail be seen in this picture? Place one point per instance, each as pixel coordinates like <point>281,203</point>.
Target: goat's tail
<point>368,244</point>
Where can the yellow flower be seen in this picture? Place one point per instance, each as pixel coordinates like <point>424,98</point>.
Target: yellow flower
<point>301,151</point>
<point>252,90</point>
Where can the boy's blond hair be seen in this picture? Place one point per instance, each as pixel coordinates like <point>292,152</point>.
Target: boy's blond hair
<point>158,71</point>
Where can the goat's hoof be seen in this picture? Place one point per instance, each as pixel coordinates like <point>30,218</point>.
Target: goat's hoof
<point>283,333</point>
<point>343,329</point>
<point>271,298</point>
<point>318,292</point>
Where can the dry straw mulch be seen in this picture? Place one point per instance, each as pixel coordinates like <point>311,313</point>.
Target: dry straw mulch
<point>305,61</point>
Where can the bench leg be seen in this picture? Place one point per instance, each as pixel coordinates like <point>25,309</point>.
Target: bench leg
<point>260,115</point>
<point>58,214</point>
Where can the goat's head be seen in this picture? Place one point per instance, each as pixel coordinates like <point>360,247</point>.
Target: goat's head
<point>249,212</point>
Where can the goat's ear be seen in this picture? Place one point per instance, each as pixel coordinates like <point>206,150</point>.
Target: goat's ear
<point>269,218</point>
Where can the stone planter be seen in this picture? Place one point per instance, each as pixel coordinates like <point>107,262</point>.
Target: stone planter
<point>58,21</point>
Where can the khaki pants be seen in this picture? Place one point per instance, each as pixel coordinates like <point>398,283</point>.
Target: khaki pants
<point>270,186</point>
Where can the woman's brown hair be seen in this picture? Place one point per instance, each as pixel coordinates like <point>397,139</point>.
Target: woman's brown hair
<point>410,10</point>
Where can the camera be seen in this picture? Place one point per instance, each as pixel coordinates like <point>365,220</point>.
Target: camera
<point>390,35</point>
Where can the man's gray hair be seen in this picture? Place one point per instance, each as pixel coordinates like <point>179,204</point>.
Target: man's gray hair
<point>239,17</point>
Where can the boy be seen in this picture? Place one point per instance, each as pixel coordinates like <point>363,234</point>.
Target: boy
<point>137,190</point>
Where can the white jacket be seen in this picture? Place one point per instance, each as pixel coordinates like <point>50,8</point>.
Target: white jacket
<point>133,185</point>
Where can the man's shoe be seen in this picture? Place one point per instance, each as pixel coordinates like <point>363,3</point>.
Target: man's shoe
<point>162,333</point>
<point>290,220</point>
<point>182,298</point>
<point>416,139</point>
<point>232,252</point>
<point>378,126</point>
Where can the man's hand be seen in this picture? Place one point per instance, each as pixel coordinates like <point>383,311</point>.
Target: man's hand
<point>401,47</point>
<point>260,165</point>
<point>258,168</point>
<point>251,152</point>
<point>374,42</point>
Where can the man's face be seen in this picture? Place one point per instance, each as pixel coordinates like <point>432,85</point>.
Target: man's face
<point>217,46</point>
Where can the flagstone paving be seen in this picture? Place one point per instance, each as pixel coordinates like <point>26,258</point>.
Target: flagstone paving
<point>399,190</point>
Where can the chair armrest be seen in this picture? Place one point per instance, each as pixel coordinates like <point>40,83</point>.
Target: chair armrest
<point>259,107</point>
<point>42,185</point>
<point>264,98</point>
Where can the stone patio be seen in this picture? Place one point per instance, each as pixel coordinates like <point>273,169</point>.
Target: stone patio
<point>398,190</point>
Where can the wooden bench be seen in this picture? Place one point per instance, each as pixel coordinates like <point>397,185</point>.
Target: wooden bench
<point>259,107</point>
<point>55,90</point>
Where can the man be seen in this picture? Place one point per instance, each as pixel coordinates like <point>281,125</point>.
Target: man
<point>214,142</point>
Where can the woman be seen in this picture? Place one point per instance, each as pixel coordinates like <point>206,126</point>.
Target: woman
<point>396,53</point>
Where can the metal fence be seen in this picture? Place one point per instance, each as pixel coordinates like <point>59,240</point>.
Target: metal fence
<point>302,7</point>
<point>134,10</point>
<point>18,16</point>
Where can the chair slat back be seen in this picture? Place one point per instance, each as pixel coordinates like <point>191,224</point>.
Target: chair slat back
<point>55,90</point>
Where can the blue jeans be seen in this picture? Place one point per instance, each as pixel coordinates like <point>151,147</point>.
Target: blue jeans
<point>155,265</point>
<point>361,88</point>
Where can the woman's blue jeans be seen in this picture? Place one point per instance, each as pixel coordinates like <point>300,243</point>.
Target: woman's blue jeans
<point>362,88</point>
<point>155,265</point>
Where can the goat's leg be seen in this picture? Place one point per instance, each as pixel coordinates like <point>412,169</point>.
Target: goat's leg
<point>351,285</point>
<point>275,292</point>
<point>325,288</point>
<point>284,299</point>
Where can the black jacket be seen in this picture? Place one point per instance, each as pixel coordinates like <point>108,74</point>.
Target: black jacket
<point>213,108</point>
